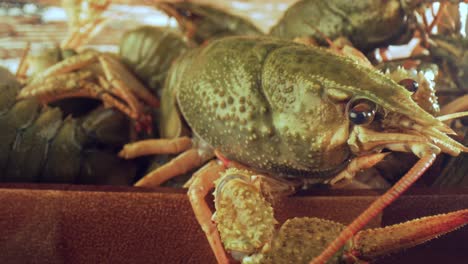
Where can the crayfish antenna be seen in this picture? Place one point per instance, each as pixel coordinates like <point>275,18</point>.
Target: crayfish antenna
<point>21,72</point>
<point>376,207</point>
<point>372,243</point>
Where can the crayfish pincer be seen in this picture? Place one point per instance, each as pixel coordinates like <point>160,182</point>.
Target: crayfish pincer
<point>246,222</point>
<point>291,111</point>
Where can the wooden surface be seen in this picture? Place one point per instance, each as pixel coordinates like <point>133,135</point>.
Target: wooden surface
<point>78,224</point>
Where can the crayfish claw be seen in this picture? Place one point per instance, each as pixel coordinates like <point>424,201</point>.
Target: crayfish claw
<point>244,218</point>
<point>369,244</point>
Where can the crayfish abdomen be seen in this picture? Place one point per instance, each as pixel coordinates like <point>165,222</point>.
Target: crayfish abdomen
<point>39,145</point>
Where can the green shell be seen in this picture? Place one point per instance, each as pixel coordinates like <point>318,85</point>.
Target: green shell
<point>39,146</point>
<point>149,52</point>
<point>300,240</point>
<point>208,22</point>
<point>263,102</point>
<point>367,23</point>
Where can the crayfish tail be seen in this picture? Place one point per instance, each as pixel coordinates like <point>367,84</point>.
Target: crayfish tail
<point>372,243</point>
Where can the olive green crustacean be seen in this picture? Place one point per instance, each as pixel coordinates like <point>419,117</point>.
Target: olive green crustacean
<point>201,22</point>
<point>40,144</point>
<point>367,23</point>
<point>158,48</point>
<point>284,109</point>
<point>291,110</point>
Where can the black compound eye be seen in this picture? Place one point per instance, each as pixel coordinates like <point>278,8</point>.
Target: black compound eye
<point>187,13</point>
<point>361,111</point>
<point>410,84</point>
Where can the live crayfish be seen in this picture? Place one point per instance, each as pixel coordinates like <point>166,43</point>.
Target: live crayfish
<point>331,95</point>
<point>95,75</point>
<point>367,24</point>
<point>259,114</point>
<point>39,145</point>
<point>285,109</point>
<point>90,141</point>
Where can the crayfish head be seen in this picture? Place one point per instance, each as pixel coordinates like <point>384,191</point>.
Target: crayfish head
<point>416,130</point>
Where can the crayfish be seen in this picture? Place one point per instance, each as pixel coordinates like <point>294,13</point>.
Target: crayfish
<point>282,109</point>
<point>71,149</point>
<point>40,145</point>
<point>289,111</point>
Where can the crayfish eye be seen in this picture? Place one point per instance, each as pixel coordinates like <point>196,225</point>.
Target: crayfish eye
<point>410,84</point>
<point>361,111</point>
<point>187,13</point>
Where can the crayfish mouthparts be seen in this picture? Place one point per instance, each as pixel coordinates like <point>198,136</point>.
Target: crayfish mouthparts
<point>408,136</point>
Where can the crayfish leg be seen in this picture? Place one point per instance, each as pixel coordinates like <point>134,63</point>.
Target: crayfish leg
<point>118,75</point>
<point>457,105</point>
<point>181,164</point>
<point>66,66</point>
<point>80,36</point>
<point>23,64</point>
<point>358,164</point>
<point>202,183</point>
<point>369,244</point>
<point>83,22</point>
<point>376,207</point>
<point>156,146</point>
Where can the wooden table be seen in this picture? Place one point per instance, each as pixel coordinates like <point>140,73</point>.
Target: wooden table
<point>88,224</point>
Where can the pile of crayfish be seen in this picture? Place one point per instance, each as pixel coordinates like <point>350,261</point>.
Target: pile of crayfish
<point>264,114</point>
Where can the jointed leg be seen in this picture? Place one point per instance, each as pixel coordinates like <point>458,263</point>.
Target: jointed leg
<point>81,35</point>
<point>124,95</point>
<point>66,66</point>
<point>125,82</point>
<point>119,88</point>
<point>356,165</point>
<point>81,30</point>
<point>376,207</point>
<point>371,243</point>
<point>72,85</point>
<point>156,146</point>
<point>125,86</point>
<point>23,65</point>
<point>202,184</point>
<point>181,164</point>
<point>189,159</point>
<point>457,105</point>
